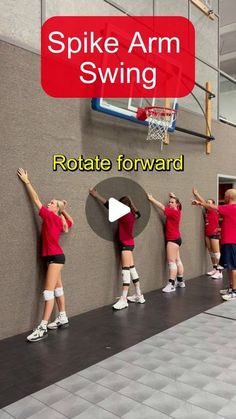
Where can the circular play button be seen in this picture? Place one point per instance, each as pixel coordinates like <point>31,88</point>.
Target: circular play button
<point>112,190</point>
<point>116,209</point>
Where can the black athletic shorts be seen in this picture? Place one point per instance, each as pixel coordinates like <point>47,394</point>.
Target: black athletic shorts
<point>177,241</point>
<point>60,259</point>
<point>214,236</point>
<point>125,247</point>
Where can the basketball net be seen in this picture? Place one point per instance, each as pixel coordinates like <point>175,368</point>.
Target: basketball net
<point>159,119</point>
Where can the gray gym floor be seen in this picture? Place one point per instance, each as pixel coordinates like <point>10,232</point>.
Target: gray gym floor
<point>187,371</point>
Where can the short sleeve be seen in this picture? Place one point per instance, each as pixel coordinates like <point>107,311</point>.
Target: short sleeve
<point>171,212</point>
<point>44,212</point>
<point>168,211</point>
<point>223,209</point>
<point>69,223</point>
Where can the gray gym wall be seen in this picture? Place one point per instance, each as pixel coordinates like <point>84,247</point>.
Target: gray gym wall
<point>34,127</point>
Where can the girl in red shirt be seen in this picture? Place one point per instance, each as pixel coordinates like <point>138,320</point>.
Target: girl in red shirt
<point>55,221</point>
<point>228,237</point>
<point>173,241</point>
<point>126,242</point>
<point>212,236</point>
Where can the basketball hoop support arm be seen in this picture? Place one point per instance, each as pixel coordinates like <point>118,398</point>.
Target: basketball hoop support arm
<point>208,111</point>
<point>195,134</point>
<point>204,8</point>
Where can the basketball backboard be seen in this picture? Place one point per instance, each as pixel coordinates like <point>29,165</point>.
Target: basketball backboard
<point>127,108</point>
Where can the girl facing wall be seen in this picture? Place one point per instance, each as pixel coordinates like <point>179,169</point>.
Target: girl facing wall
<point>212,236</point>
<point>173,240</point>
<point>56,220</point>
<point>126,243</point>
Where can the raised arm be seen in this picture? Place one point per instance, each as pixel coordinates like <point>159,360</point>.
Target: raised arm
<point>23,175</point>
<point>198,196</point>
<point>95,194</point>
<point>134,208</point>
<point>65,216</point>
<point>65,225</point>
<point>156,203</point>
<point>205,204</point>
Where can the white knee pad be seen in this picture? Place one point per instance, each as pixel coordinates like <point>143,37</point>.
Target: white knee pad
<point>212,254</point>
<point>48,295</point>
<point>126,276</point>
<point>178,262</point>
<point>216,255</point>
<point>134,273</point>
<point>172,265</point>
<point>58,292</point>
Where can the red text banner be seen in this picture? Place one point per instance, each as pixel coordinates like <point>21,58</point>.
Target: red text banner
<point>120,56</point>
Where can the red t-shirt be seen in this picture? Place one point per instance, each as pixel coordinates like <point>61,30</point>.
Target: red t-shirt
<point>52,228</point>
<point>211,222</point>
<point>173,217</point>
<point>228,227</point>
<point>126,225</point>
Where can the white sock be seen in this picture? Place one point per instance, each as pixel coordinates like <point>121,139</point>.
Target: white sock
<point>137,290</point>
<point>44,324</point>
<point>62,314</point>
<point>124,294</point>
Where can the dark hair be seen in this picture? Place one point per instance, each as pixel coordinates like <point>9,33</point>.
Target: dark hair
<point>179,205</point>
<point>213,201</point>
<point>126,200</point>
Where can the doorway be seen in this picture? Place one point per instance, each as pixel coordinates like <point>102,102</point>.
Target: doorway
<point>224,182</point>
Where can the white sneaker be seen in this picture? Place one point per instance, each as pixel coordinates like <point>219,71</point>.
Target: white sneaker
<point>121,303</point>
<point>225,291</point>
<point>38,334</point>
<point>136,299</point>
<point>210,273</point>
<point>60,322</point>
<point>168,288</point>
<point>217,275</point>
<point>229,296</point>
<point>180,284</point>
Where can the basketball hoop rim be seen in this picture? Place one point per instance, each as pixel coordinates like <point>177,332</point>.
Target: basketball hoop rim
<point>159,110</point>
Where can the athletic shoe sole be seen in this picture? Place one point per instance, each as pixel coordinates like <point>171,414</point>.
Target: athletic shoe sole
<point>226,291</point>
<point>121,308</point>
<point>61,326</point>
<point>136,302</point>
<point>169,291</point>
<point>38,339</point>
<point>228,297</point>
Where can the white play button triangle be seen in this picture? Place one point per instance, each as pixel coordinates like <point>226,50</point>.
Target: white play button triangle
<point>116,210</point>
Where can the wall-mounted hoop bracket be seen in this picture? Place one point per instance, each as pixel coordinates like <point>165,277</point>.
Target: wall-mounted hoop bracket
<point>208,112</point>
<point>204,8</point>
